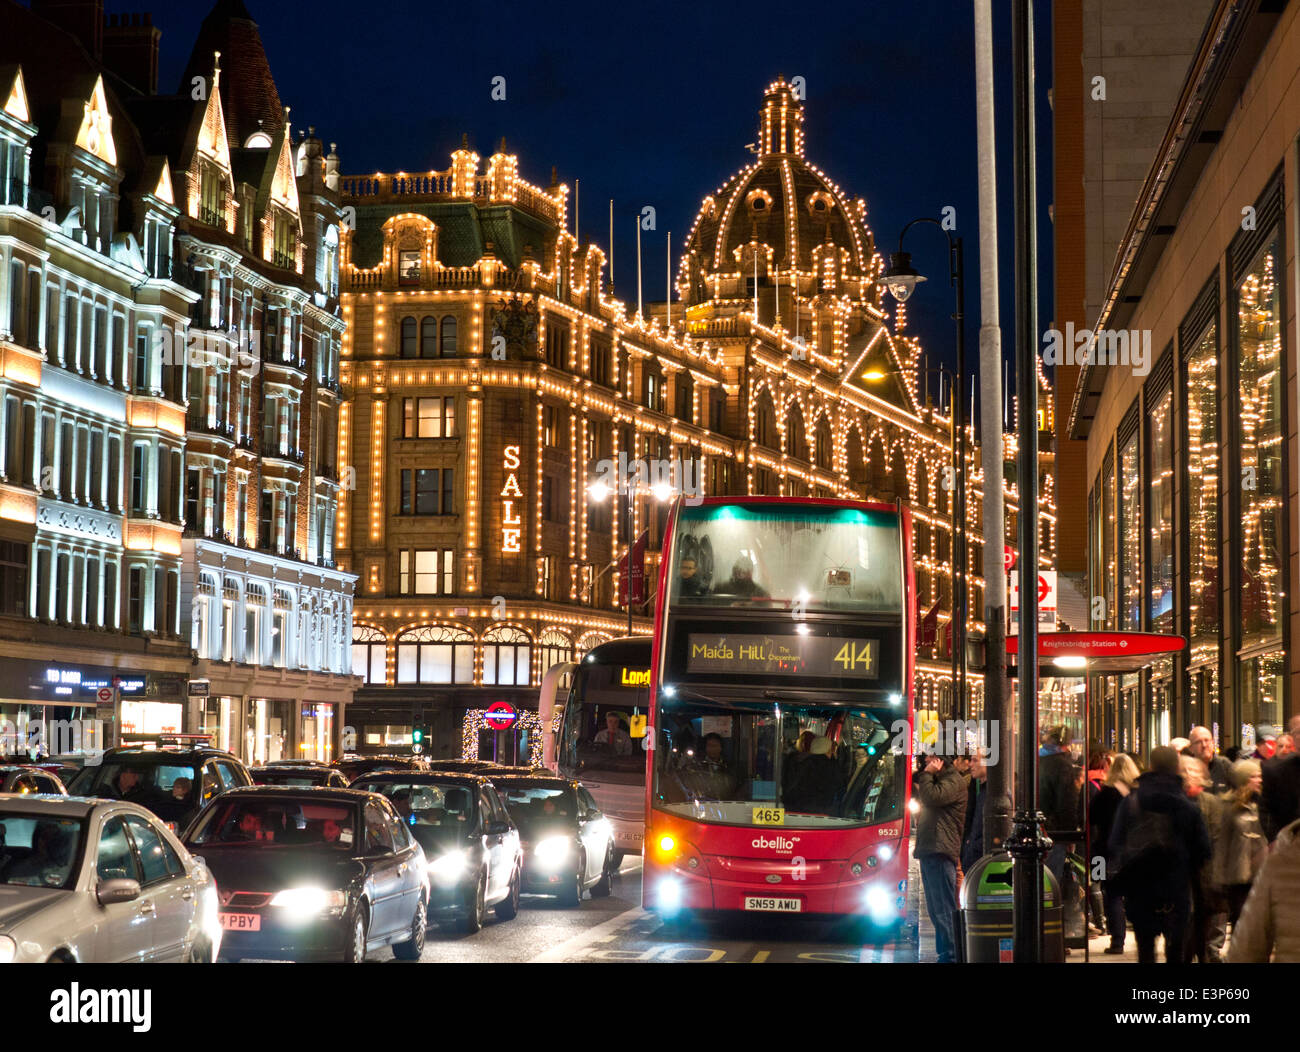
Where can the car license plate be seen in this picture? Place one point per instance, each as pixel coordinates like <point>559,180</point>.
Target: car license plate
<point>634,838</point>
<point>756,902</point>
<point>241,921</point>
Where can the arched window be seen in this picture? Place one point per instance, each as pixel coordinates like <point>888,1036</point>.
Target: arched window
<point>589,642</point>
<point>369,654</point>
<point>825,445</point>
<point>796,444</point>
<point>856,462</point>
<point>922,484</point>
<point>408,337</point>
<point>435,654</point>
<point>507,657</point>
<point>898,480</point>
<point>280,635</point>
<point>765,422</point>
<point>429,338</point>
<point>449,337</point>
<point>254,615</point>
<point>555,647</point>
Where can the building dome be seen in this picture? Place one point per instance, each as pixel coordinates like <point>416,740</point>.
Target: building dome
<point>782,203</point>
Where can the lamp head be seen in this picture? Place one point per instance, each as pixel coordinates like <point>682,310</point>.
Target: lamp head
<point>900,277</point>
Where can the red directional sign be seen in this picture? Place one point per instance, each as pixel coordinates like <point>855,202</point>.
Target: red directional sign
<point>1094,652</point>
<point>1008,558</point>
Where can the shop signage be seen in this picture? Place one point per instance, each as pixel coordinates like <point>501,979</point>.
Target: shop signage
<point>500,715</point>
<point>199,688</point>
<point>511,520</point>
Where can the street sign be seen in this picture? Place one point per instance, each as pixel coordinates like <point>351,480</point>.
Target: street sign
<point>104,695</point>
<point>1046,601</point>
<point>199,688</point>
<point>500,715</point>
<point>1008,558</point>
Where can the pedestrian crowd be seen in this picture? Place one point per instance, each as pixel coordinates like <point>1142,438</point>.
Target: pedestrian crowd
<point>1200,848</point>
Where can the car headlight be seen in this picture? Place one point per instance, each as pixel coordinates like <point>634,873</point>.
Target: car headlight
<point>448,866</point>
<point>309,902</point>
<point>552,850</point>
<point>8,949</point>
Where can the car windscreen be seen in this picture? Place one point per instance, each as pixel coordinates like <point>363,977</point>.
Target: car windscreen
<point>38,851</point>
<point>431,812</point>
<point>539,808</point>
<point>256,822</point>
<point>150,784</point>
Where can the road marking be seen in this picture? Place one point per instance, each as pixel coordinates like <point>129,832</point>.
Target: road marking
<point>587,938</point>
<point>761,956</point>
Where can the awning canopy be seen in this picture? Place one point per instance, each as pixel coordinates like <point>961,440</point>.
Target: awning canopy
<point>1099,653</point>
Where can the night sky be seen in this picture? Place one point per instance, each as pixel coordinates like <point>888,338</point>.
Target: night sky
<point>656,110</point>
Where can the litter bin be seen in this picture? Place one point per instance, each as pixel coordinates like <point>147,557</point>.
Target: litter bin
<point>987,913</point>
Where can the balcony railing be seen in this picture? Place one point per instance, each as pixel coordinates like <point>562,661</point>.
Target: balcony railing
<point>248,442</point>
<point>203,426</point>
<point>210,216</point>
<point>284,451</point>
<point>327,471</point>
<point>287,260</point>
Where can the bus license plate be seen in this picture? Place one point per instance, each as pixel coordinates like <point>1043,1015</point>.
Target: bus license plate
<point>241,921</point>
<point>756,902</point>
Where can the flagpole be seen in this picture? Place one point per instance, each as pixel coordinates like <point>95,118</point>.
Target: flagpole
<point>638,268</point>
<point>611,245</point>
<point>577,196</point>
<point>669,268</point>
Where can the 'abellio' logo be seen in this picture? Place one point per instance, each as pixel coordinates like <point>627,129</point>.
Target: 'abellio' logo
<point>781,843</point>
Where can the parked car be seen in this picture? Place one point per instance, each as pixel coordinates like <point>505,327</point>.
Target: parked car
<point>21,778</point>
<point>568,845</point>
<point>100,881</point>
<point>155,779</point>
<point>355,766</point>
<point>300,775</point>
<point>313,874</point>
<point>472,846</point>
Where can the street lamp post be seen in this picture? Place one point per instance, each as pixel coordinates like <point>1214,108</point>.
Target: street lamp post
<point>901,280</point>
<point>598,492</point>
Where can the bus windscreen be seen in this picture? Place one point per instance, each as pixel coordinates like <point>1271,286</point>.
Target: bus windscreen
<point>823,557</point>
<point>604,723</point>
<point>779,764</point>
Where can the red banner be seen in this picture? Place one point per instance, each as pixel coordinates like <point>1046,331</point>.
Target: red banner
<point>638,572</point>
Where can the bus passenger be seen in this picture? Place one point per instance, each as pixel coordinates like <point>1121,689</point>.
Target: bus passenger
<point>742,580</point>
<point>816,781</point>
<point>689,585</point>
<point>614,735</point>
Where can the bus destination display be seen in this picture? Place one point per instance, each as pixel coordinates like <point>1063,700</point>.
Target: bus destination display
<point>782,655</point>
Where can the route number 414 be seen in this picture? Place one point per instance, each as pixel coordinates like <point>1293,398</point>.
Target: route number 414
<point>854,655</point>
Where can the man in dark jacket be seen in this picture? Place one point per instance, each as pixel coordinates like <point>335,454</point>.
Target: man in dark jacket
<point>940,789</point>
<point>1058,793</point>
<point>1279,802</point>
<point>1200,743</point>
<point>1159,842</point>
<point>972,840</point>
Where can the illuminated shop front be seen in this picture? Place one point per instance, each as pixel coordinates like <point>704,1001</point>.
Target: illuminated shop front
<point>1189,504</point>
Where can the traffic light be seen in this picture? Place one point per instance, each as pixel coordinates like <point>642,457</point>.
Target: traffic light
<point>417,735</point>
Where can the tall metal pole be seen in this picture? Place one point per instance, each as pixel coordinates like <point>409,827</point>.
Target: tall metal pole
<point>628,556</point>
<point>959,450</point>
<point>1026,843</point>
<point>997,695</point>
<point>954,710</point>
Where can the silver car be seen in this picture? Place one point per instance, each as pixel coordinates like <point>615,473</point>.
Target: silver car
<point>100,881</point>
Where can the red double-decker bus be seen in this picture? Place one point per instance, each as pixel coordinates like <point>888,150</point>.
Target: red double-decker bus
<point>781,710</point>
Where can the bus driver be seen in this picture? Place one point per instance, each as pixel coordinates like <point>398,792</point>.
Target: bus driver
<point>615,735</point>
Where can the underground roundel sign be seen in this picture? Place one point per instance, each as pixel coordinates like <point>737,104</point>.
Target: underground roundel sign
<point>500,715</point>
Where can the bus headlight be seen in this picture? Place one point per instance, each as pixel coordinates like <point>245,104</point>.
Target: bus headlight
<point>8,949</point>
<point>885,852</point>
<point>552,851</point>
<point>670,895</point>
<point>879,904</point>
